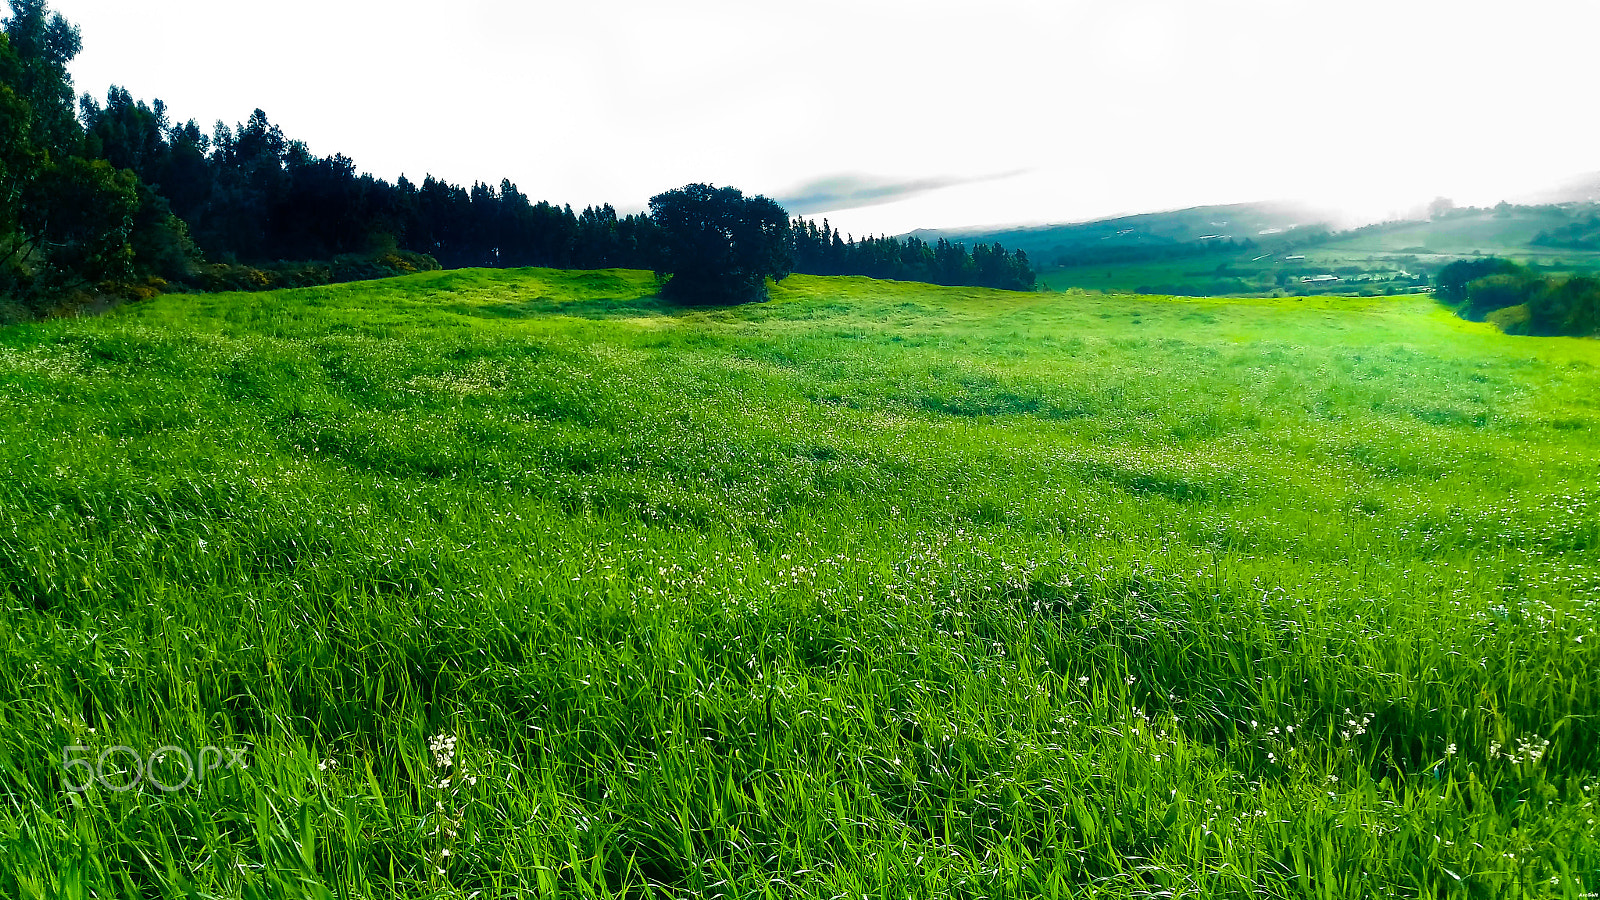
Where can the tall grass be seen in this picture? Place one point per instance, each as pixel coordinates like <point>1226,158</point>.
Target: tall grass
<point>524,584</point>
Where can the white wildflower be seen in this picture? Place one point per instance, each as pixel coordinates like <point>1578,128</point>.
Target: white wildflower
<point>443,747</point>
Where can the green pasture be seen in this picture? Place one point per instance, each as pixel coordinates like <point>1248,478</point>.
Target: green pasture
<point>525,584</point>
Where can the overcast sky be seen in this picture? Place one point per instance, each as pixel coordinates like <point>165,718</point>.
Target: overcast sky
<point>888,115</point>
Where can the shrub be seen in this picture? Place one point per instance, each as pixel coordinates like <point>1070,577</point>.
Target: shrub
<point>351,267</point>
<point>1487,294</point>
<point>1510,319</point>
<point>1570,307</point>
<point>1454,278</point>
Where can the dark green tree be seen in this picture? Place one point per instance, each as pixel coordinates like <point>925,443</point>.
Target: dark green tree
<point>44,43</point>
<point>1571,307</point>
<point>160,240</point>
<point>20,155</point>
<point>131,135</point>
<point>718,246</point>
<point>1492,292</point>
<point>183,174</point>
<point>1453,279</point>
<point>77,218</point>
<point>65,220</point>
<point>251,183</point>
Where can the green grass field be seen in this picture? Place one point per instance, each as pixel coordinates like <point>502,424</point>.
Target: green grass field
<point>523,584</point>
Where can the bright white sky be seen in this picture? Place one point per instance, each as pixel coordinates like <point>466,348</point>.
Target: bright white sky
<point>942,113</point>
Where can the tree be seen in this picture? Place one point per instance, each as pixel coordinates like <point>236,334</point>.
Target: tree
<point>44,44</point>
<point>1571,307</point>
<point>65,221</point>
<point>1453,279</point>
<point>77,216</point>
<point>718,246</point>
<point>20,156</point>
<point>1492,292</point>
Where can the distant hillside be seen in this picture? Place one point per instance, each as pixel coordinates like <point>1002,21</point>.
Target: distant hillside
<point>1386,258</point>
<point>1285,248</point>
<point>1238,222</point>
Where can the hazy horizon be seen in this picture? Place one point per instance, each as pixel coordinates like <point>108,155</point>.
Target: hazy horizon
<point>916,115</point>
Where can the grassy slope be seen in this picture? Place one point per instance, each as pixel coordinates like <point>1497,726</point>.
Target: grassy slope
<point>876,589</point>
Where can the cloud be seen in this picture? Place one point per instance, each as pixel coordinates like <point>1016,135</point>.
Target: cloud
<point>853,191</point>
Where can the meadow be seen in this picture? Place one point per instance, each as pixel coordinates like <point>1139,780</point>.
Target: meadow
<point>524,583</point>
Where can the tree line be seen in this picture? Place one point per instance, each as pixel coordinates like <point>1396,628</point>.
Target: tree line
<point>826,251</point>
<point>110,196</point>
<point>1520,300</point>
